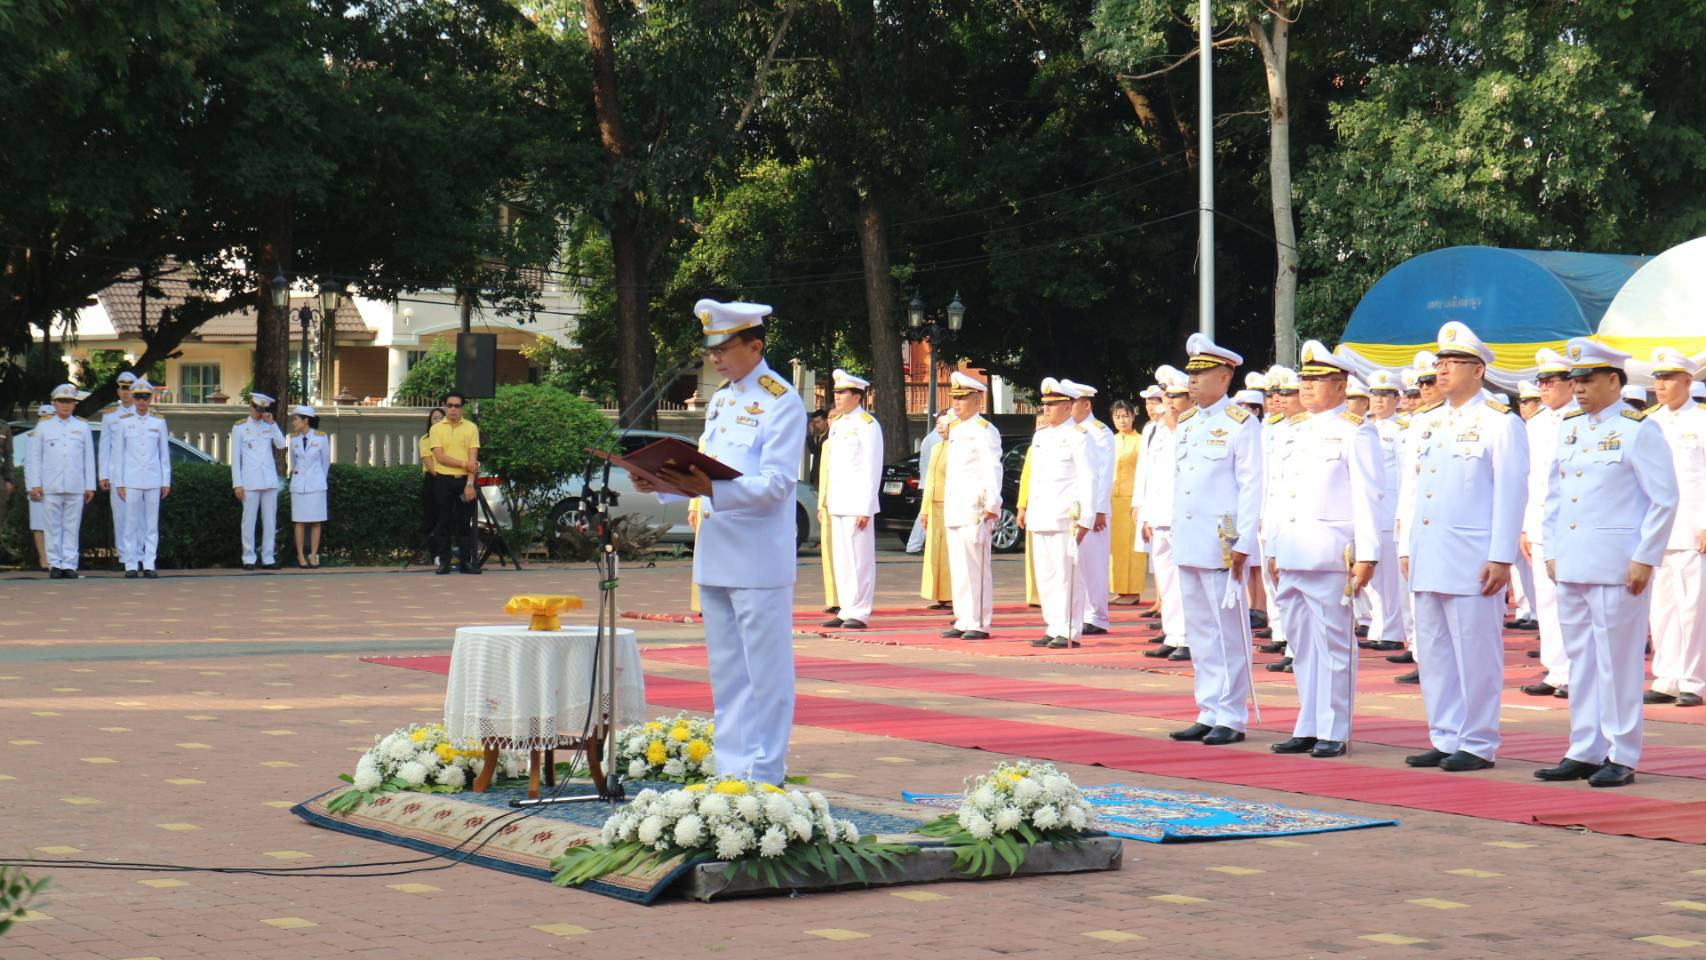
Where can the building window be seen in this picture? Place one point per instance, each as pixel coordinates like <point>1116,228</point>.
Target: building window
<point>413,357</point>
<point>197,382</point>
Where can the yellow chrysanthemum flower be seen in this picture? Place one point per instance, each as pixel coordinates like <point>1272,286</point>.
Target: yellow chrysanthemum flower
<point>695,788</point>
<point>733,788</point>
<point>681,734</point>
<point>771,788</point>
<point>446,752</point>
<point>656,752</point>
<point>698,750</point>
<point>654,727</point>
<point>710,729</point>
<point>419,735</point>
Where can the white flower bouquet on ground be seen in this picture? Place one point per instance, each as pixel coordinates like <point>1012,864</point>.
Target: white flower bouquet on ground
<point>418,757</point>
<point>764,830</point>
<point>678,749</point>
<point>1006,811</point>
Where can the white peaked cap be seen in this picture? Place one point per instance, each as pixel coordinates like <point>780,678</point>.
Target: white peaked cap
<point>1587,355</point>
<point>65,391</point>
<point>1249,396</point>
<point>720,321</point>
<point>1205,354</point>
<point>1528,390</point>
<point>847,381</point>
<point>960,382</point>
<point>1355,387</point>
<point>1457,340</point>
<point>1079,391</point>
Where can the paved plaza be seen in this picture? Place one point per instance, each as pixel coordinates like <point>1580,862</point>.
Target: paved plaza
<point>176,721</point>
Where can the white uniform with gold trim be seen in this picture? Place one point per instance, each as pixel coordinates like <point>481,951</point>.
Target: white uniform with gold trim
<point>1542,447</point>
<point>854,455</point>
<point>1388,601</point>
<point>61,463</point>
<point>104,469</point>
<point>254,470</point>
<point>142,466</point>
<point>1679,585</point>
<point>972,482</point>
<point>1062,501</point>
<point>1611,500</point>
<point>1154,495</point>
<point>1095,551</point>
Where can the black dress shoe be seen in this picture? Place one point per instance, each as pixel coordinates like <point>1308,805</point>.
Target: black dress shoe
<point>951,634</point>
<point>1195,731</point>
<point>974,635</point>
<point>1688,699</point>
<point>1362,630</point>
<point>1328,748</point>
<point>1294,745</point>
<point>831,609</point>
<point>1220,736</point>
<point>1413,677</point>
<point>275,566</point>
<point>1512,622</point>
<point>1612,775</point>
<point>1091,630</point>
<point>1562,693</point>
<point>1280,666</point>
<point>1386,645</point>
<point>248,566</point>
<point>130,574</point>
<point>1534,654</point>
<point>1567,769</point>
<point>469,569</point>
<point>443,567</point>
<point>1062,643</point>
<point>1044,641</point>
<point>1541,689</point>
<point>1258,619</point>
<point>150,575</point>
<point>833,622</point>
<point>852,624</point>
<point>1528,623</point>
<point>1430,759</point>
<point>1263,633</point>
<point>1272,647</point>
<point>1462,761</point>
<point>1162,651</point>
<point>1160,638</point>
<point>1180,653</point>
<point>1405,657</point>
<point>938,605</point>
<point>1654,697</point>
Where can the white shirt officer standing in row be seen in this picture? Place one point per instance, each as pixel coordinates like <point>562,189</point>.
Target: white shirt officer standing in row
<point>59,473</point>
<point>1154,495</point>
<point>110,419</point>
<point>1389,604</point>
<point>1457,544</point>
<point>1679,584</point>
<point>1094,552</point>
<point>142,475</point>
<point>1059,513</point>
<point>254,478</point>
<point>745,561</point>
<point>1610,504</point>
<point>854,460</point>
<point>1217,501</point>
<point>971,504</point>
<point>1323,544</point>
<point>1556,400</point>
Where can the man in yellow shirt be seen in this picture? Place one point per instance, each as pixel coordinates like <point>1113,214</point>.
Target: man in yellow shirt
<point>455,444</point>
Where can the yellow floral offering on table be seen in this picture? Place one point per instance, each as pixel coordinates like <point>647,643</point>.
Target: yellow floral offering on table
<point>542,608</point>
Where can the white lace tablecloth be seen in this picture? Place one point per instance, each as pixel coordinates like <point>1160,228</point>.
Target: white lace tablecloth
<point>533,686</point>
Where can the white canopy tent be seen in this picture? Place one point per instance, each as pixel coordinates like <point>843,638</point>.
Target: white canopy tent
<point>1663,304</point>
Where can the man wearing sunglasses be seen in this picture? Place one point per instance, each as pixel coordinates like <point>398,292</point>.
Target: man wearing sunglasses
<point>455,446</point>
<point>60,474</point>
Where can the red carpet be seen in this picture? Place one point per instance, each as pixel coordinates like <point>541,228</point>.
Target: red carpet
<point>1657,820</point>
<point>1414,789</point>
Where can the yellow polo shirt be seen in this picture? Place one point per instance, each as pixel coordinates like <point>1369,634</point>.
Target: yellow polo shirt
<point>456,440</point>
<point>425,446</point>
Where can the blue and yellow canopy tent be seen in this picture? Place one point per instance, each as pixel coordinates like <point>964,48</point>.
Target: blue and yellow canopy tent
<point>1516,301</point>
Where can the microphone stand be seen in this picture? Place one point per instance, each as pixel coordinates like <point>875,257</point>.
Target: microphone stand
<point>597,502</point>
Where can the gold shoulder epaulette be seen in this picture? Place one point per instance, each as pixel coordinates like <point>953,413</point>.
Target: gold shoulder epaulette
<point>1297,418</point>
<point>722,385</point>
<point>1097,424</point>
<point>1188,414</point>
<point>109,408</point>
<point>1081,428</point>
<point>868,417</point>
<point>1275,418</point>
<point>1428,407</point>
<point>1496,405</point>
<point>1355,418</point>
<point>1403,422</point>
<point>772,385</point>
<point>1574,413</point>
<point>1636,414</point>
<point>1701,405</point>
<point>240,420</point>
<point>1237,413</point>
<point>1651,410</point>
<point>319,433</point>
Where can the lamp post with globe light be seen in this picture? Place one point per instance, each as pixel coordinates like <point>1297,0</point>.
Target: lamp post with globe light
<point>921,328</point>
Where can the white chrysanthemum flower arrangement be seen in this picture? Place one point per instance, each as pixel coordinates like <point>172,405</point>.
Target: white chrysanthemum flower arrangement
<point>1007,810</point>
<point>679,749</point>
<point>774,833</point>
<point>418,757</point>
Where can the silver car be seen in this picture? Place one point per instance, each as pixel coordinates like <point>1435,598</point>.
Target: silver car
<point>569,513</point>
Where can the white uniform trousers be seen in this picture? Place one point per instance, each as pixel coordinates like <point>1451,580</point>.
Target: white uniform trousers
<point>1276,623</point>
<point>1460,652</point>
<point>1323,651</point>
<point>749,637</point>
<point>264,502</point>
<point>1552,654</point>
<point>1678,623</point>
<point>1220,647</point>
<point>1167,586</point>
<point>64,523</point>
<point>853,553</point>
<point>1605,634</point>
<point>972,577</point>
<point>143,513</point>
<point>1522,589</point>
<point>1054,553</point>
<point>1094,566</point>
<point>121,528</point>
<point>1388,607</point>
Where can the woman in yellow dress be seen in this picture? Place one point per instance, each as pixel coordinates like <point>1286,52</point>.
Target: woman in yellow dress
<point>936,587</point>
<point>1129,569</point>
<point>830,603</point>
<point>1031,598</point>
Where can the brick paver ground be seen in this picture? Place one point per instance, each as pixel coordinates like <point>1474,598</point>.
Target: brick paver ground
<point>176,720</point>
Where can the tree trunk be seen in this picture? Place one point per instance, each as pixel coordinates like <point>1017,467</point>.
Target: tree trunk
<point>1274,49</point>
<point>272,326</point>
<point>888,382</point>
<point>465,308</point>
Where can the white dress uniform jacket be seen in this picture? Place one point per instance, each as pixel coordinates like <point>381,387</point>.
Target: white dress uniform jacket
<point>1542,430</point>
<point>1389,602</point>
<point>310,462</point>
<point>973,491</point>
<point>252,444</point>
<point>1328,496</point>
<point>61,462</point>
<point>1685,432</point>
<point>1471,484</point>
<point>1153,494</point>
<point>1096,548</point>
<point>1679,585</point>
<point>855,454</point>
<point>1062,491</point>
<point>104,471</point>
<point>142,467</point>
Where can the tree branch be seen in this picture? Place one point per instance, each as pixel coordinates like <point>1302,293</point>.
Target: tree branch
<point>1187,58</point>
<point>765,65</point>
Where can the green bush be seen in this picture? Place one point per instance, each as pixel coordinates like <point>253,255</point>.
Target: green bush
<point>432,376</point>
<point>373,517</point>
<point>533,438</point>
<point>17,891</point>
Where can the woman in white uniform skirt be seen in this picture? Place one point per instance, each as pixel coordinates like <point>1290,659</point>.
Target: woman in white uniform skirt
<point>38,509</point>
<point>310,462</point>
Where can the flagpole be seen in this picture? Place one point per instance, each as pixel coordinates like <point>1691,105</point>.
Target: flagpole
<point>1205,167</point>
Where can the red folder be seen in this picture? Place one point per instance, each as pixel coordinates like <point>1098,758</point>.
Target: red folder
<point>650,460</point>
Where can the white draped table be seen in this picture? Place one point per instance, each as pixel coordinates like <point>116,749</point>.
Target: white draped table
<point>519,689</point>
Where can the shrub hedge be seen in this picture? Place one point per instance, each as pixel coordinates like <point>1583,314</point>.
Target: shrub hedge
<point>373,517</point>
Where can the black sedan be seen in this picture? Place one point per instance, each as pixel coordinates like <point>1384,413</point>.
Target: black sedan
<point>902,493</point>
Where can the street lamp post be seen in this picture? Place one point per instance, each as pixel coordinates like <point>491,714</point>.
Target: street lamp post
<point>921,328</point>
<point>280,290</point>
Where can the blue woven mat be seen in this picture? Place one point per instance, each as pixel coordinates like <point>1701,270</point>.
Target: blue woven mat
<point>1157,816</point>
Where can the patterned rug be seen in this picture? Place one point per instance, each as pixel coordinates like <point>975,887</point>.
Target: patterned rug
<point>1157,816</point>
<point>484,830</point>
